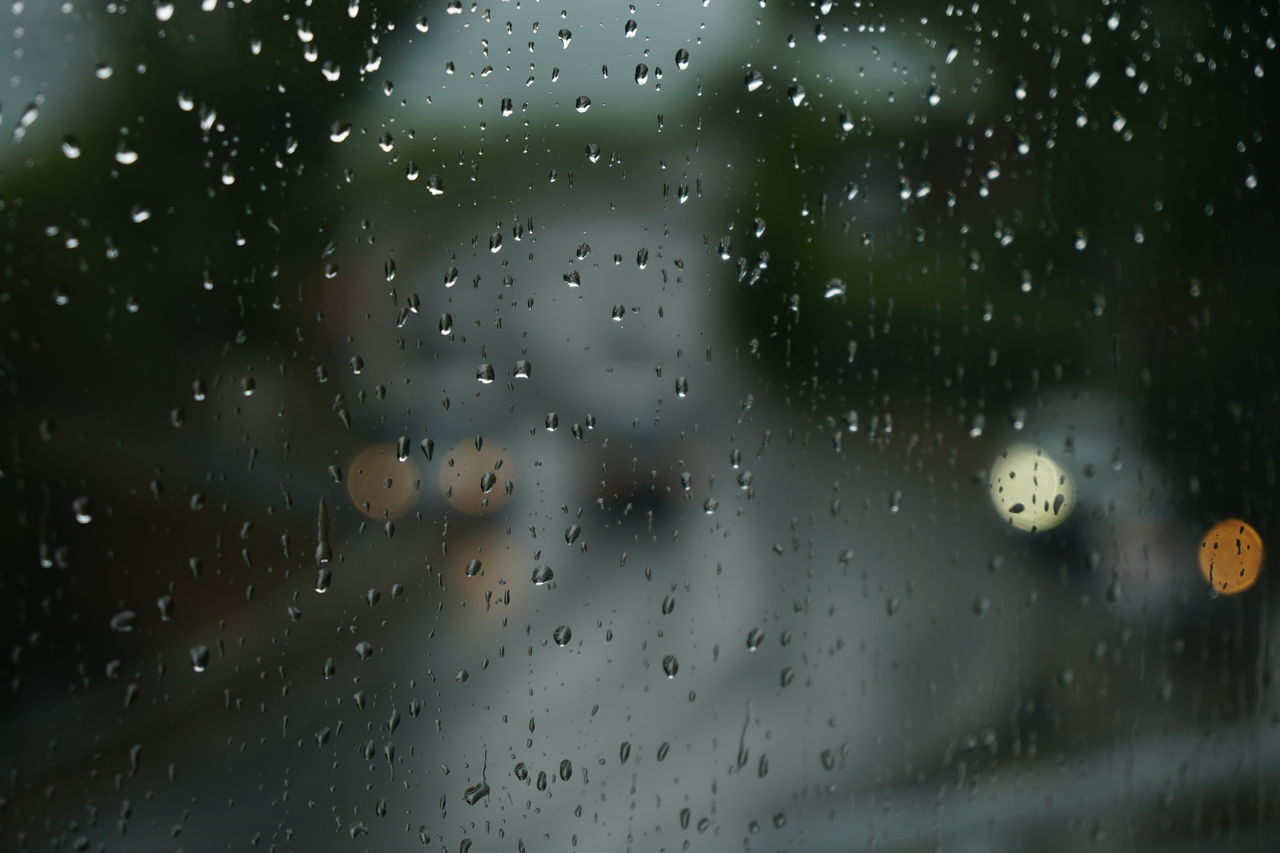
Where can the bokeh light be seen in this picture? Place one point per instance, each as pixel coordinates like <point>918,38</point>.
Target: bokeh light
<point>1030,490</point>
<point>1231,556</point>
<point>380,485</point>
<point>474,477</point>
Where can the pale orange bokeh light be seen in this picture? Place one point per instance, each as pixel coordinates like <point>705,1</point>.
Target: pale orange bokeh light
<point>465,472</point>
<point>380,485</point>
<point>1231,556</point>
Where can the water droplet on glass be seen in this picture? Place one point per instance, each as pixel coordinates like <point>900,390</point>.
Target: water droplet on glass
<point>682,59</point>
<point>82,508</point>
<point>473,568</point>
<point>582,104</point>
<point>670,666</point>
<point>754,80</point>
<point>562,635</point>
<point>200,658</point>
<point>485,373</point>
<point>124,621</point>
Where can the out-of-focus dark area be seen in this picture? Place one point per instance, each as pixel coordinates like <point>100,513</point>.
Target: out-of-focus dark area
<point>659,426</point>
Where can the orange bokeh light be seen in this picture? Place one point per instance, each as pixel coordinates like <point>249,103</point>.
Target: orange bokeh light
<point>1231,556</point>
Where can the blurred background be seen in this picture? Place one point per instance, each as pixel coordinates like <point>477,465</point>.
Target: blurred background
<point>697,425</point>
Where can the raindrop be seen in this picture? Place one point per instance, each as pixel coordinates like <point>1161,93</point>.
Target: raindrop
<point>82,509</point>
<point>754,80</point>
<point>485,373</point>
<point>670,666</point>
<point>200,658</point>
<point>582,104</point>
<point>473,568</point>
<point>682,59</point>
<point>339,131</point>
<point>124,621</point>
<point>562,635</point>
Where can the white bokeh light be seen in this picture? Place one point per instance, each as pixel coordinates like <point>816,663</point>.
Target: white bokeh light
<point>1030,490</point>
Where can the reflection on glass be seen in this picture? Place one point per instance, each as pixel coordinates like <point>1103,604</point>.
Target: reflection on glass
<point>1231,556</point>
<point>1030,490</point>
<point>380,485</point>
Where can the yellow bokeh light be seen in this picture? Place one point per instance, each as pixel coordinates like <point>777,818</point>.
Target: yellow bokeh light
<point>1231,556</point>
<point>380,485</point>
<point>1030,490</point>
